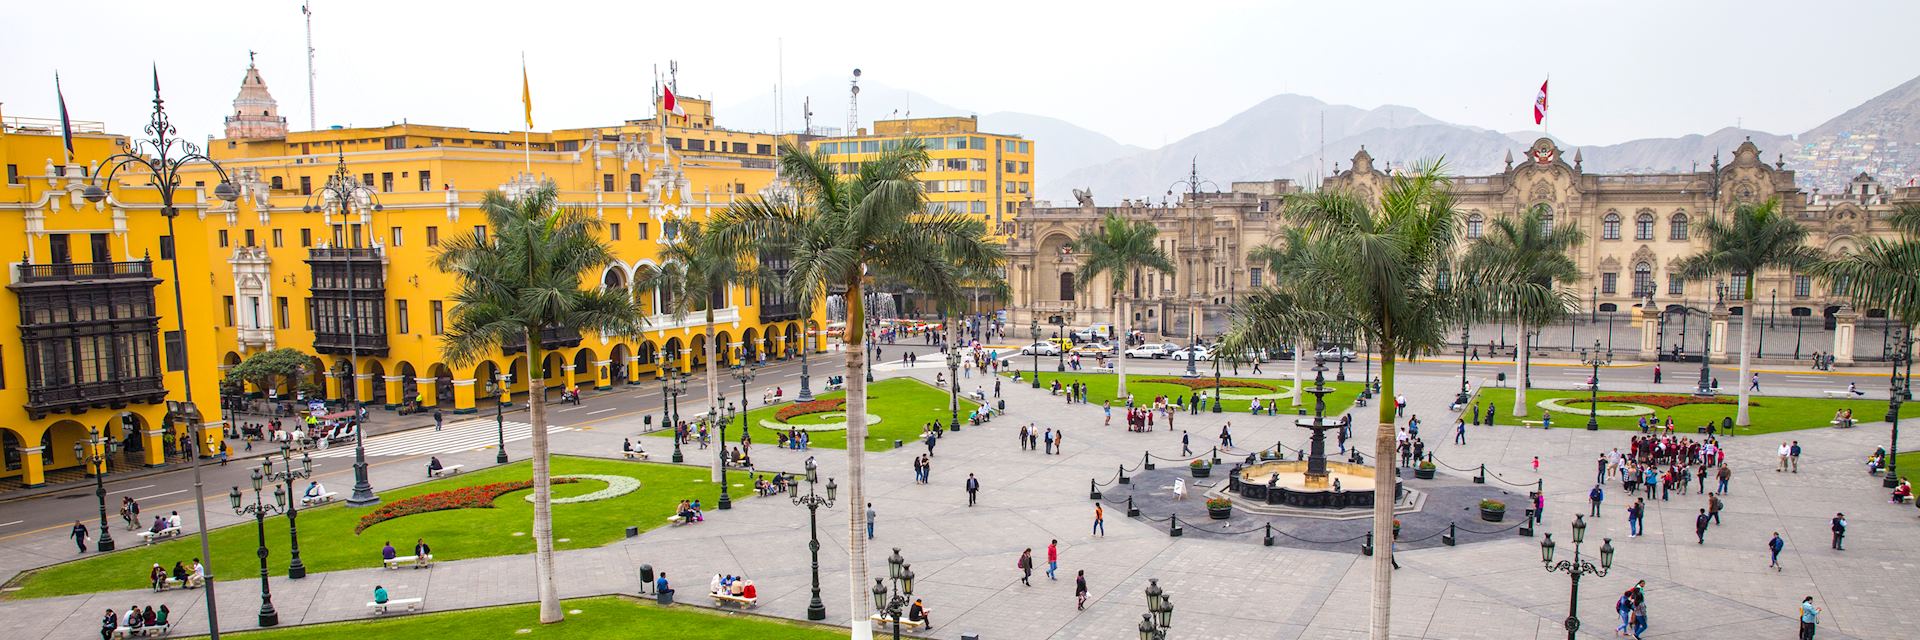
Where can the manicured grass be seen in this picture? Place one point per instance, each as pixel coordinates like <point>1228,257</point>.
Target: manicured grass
<point>603,617</point>
<point>1102,387</point>
<point>1907,463</point>
<point>905,406</point>
<point>1770,414</point>
<point>327,541</point>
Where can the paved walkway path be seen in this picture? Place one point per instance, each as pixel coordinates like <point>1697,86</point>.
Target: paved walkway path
<point>1222,588</point>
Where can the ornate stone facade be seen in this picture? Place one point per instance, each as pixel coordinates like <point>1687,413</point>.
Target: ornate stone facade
<point>256,114</point>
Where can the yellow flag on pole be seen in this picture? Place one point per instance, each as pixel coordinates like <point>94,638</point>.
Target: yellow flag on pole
<point>526,93</point>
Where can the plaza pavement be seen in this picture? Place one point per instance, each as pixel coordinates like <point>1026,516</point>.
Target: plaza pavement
<point>1231,588</point>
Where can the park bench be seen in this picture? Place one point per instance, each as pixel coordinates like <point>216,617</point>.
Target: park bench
<point>415,561</point>
<point>319,499</point>
<point>634,455</point>
<point>904,622</point>
<point>1584,386</point>
<point>150,537</point>
<point>721,599</point>
<point>1529,424</point>
<point>445,471</point>
<point>406,604</point>
<point>171,583</point>
<point>1838,422</point>
<point>675,520</point>
<point>1838,393</point>
<point>146,631</point>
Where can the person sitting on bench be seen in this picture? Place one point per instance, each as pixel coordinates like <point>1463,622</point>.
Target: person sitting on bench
<point>1904,491</point>
<point>314,491</point>
<point>387,554</point>
<point>1854,389</point>
<point>159,525</point>
<point>433,466</point>
<point>157,576</point>
<point>180,573</point>
<point>421,552</point>
<point>661,587</point>
<point>918,613</point>
<point>379,594</point>
<point>160,618</point>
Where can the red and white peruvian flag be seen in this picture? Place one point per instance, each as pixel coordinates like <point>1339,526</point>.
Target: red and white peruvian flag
<point>1540,105</point>
<point>671,105</point>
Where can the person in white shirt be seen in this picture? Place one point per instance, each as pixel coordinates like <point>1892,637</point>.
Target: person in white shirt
<point>314,491</point>
<point>174,520</point>
<point>1785,452</point>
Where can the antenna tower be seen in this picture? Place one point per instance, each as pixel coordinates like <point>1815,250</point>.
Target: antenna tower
<point>853,106</point>
<point>313,117</point>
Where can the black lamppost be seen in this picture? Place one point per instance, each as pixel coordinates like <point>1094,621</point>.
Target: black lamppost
<point>1036,352</point>
<point>1159,616</point>
<point>672,387</point>
<point>1465,329</point>
<point>1060,332</point>
<point>1706,375</point>
<point>1195,353</point>
<point>1595,359</point>
<point>162,157</point>
<point>1576,567</point>
<point>296,569</point>
<point>872,335</point>
<point>1897,389</point>
<point>1366,382</point>
<point>260,510</point>
<point>816,610</point>
<point>346,196</point>
<point>893,604</point>
<point>93,453</point>
<point>745,374</point>
<point>953,388</point>
<point>806,344</point>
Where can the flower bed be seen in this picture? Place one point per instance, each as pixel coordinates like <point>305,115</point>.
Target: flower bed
<point>803,408</point>
<point>1660,400</point>
<point>1208,383</point>
<point>474,497</point>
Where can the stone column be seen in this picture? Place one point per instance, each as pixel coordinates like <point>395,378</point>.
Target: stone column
<point>566,374</point>
<point>154,450</point>
<point>1649,321</point>
<point>686,357</point>
<point>396,391</point>
<point>363,387</point>
<point>429,391</point>
<point>1717,343</point>
<point>1843,321</point>
<point>335,389</point>
<point>603,375</point>
<point>463,398</point>
<point>633,369</point>
<point>506,392</point>
<point>33,472</point>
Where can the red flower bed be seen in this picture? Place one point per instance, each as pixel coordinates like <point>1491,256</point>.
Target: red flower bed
<point>474,497</point>
<point>1207,383</point>
<point>1657,400</point>
<point>804,408</point>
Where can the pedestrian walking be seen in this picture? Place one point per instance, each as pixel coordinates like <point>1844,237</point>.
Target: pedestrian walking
<point>1700,526</point>
<point>973,489</point>
<point>1793,456</point>
<point>1226,435</point>
<point>439,419</point>
<point>1048,439</point>
<point>1635,512</point>
<point>1107,408</point>
<point>1754,385</point>
<point>1186,442</point>
<point>1460,432</point>
<point>1785,452</point>
<point>1714,505</point>
<point>79,535</point>
<point>1839,531</point>
<point>1624,607</point>
<point>1774,547</point>
<point>1099,520</point>
<point>1080,590</point>
<point>933,435</point>
<point>1600,475</point>
<point>1053,558</point>
<point>1809,618</point>
<point>1059,441</point>
<point>1536,464</point>
<point>869,521</point>
<point>1025,565</point>
<point>996,387</point>
<point>1656,374</point>
<point>1724,474</point>
<point>1595,497</point>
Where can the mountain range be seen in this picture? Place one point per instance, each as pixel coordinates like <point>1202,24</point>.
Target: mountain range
<point>1281,137</point>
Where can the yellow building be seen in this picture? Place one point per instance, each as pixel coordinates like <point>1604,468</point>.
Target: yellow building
<point>98,345</point>
<point>285,281</point>
<point>987,175</point>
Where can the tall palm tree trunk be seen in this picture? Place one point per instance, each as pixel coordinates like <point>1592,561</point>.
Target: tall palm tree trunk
<point>856,334</point>
<point>1746,359</point>
<point>1381,604</point>
<point>1520,372</point>
<point>1120,344</point>
<point>713,405</point>
<point>1299,353</point>
<point>543,569</point>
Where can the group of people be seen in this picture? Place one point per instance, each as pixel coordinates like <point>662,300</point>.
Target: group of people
<point>1047,440</point>
<point>689,511</point>
<point>135,620</point>
<point>795,439</point>
<point>735,586</point>
<point>130,512</point>
<point>189,578</point>
<point>777,485</point>
<point>1076,392</point>
<point>1025,565</point>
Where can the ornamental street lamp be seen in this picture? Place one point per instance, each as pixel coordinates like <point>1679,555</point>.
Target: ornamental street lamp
<point>295,570</point>
<point>872,335</point>
<point>1036,352</point>
<point>893,604</point>
<point>745,374</point>
<point>816,610</point>
<point>1706,385</point>
<point>260,510</point>
<point>353,200</point>
<point>161,157</point>
<point>1596,360</point>
<point>806,344</point>
<point>1464,396</point>
<point>1366,381</point>
<point>1898,386</point>
<point>672,387</point>
<point>93,453</point>
<point>953,388</point>
<point>1216,377</point>
<point>1575,568</point>
<point>1158,619</point>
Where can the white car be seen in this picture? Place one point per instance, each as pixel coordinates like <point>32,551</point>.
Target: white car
<point>1040,348</point>
<point>1151,350</point>
<point>1336,354</point>
<point>1192,353</point>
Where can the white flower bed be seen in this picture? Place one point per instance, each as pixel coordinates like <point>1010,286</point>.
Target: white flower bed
<point>824,426</point>
<point>1553,404</point>
<point>616,486</point>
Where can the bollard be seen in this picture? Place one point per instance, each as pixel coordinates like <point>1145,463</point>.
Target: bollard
<point>1216,456</point>
<point>1269,539</point>
<point>1481,477</point>
<point>1299,454</point>
<point>1132,511</point>
<point>1094,489</point>
<point>1449,538</point>
<point>1123,475</point>
<point>633,532</point>
<point>1146,461</point>
<point>1526,526</point>
<point>1366,548</point>
<point>1173,524</point>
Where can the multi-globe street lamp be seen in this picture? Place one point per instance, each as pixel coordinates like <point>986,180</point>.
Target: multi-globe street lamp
<point>816,610</point>
<point>745,374</point>
<point>672,386</point>
<point>1898,386</point>
<point>893,604</point>
<point>1036,352</point>
<point>1575,568</point>
<point>953,388</point>
<point>351,199</point>
<point>295,569</point>
<point>1594,359</point>
<point>260,510</point>
<point>1158,619</point>
<point>92,454</point>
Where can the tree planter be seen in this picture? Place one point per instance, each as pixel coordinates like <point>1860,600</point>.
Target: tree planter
<point>1423,473</point>
<point>1219,513</point>
<point>1493,515</point>
<point>1201,472</point>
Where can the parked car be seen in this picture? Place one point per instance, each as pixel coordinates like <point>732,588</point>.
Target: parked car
<point>1192,353</point>
<point>1094,349</point>
<point>1041,349</point>
<point>1155,350</point>
<point>1336,354</point>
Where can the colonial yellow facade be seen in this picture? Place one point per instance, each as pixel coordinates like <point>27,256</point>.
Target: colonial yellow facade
<point>642,178</point>
<point>986,175</point>
<point>97,344</point>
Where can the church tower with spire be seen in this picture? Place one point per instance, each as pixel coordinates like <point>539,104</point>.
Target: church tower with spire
<point>255,113</point>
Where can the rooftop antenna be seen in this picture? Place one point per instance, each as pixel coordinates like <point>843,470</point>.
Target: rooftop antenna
<point>313,118</point>
<point>806,114</point>
<point>673,77</point>
<point>853,105</point>
<point>779,84</point>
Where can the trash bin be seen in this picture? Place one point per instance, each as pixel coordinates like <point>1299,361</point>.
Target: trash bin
<point>897,444</point>
<point>646,579</point>
<point>633,532</point>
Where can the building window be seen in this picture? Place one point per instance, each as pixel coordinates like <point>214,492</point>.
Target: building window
<point>480,232</point>
<point>1610,227</point>
<point>439,319</point>
<point>228,302</point>
<point>640,230</point>
<point>1642,279</point>
<point>306,185</point>
<point>176,345</point>
<point>1676,285</point>
<point>1677,229</point>
<point>1609,283</point>
<point>1802,286</point>
<point>1643,226</point>
<point>633,182</point>
<point>285,318</point>
<point>1066,287</point>
<point>1474,223</point>
<point>400,316</point>
<point>277,185</point>
<point>249,236</point>
<point>1253,277</point>
<point>1546,218</point>
<point>278,239</point>
<point>386,182</point>
<point>395,237</point>
<point>613,231</point>
<point>306,238</point>
<point>1737,286</point>
<point>426,180</point>
<point>433,236</point>
<point>13,174</point>
<point>367,179</point>
<point>606,182</point>
<point>223,237</point>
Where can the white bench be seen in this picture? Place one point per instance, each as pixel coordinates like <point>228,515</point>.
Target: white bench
<point>904,622</point>
<point>721,599</point>
<point>445,471</point>
<point>407,604</point>
<point>150,537</point>
<point>414,561</point>
<point>171,583</point>
<point>151,630</point>
<point>1529,424</point>
<point>675,520</point>
<point>319,499</point>
<point>1841,423</point>
<point>1584,386</point>
<point>634,455</point>
<point>1838,393</point>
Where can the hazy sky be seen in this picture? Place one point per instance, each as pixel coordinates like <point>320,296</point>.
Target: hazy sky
<point>1146,73</point>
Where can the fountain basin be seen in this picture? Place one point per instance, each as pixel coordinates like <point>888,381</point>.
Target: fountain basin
<point>1288,483</point>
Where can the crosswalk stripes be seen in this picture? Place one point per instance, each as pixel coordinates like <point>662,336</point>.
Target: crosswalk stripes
<point>456,437</point>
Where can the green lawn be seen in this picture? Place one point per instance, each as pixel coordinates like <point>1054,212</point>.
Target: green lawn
<point>1907,463</point>
<point>1770,414</point>
<point>1101,387</point>
<point>327,541</point>
<point>603,617</point>
<point>905,406</point>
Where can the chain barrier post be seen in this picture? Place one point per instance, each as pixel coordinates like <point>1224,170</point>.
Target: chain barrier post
<point>1366,548</point>
<point>1132,511</point>
<point>1123,475</point>
<point>1269,538</point>
<point>1452,536</point>
<point>1146,461</point>
<point>1481,478</point>
<point>1174,530</point>
<point>1094,489</point>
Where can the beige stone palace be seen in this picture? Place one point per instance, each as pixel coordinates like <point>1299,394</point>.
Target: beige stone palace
<point>1636,226</point>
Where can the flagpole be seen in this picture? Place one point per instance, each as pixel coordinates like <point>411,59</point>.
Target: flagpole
<point>1546,115</point>
<point>526,135</point>
<point>66,126</point>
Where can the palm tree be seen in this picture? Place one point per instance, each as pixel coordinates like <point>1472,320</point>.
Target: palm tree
<point>694,275</point>
<point>1521,265</point>
<point>1290,297</point>
<point>522,279</point>
<point>1382,259</point>
<point>1754,237</point>
<point>1881,273</point>
<point>839,228</point>
<point>1119,248</point>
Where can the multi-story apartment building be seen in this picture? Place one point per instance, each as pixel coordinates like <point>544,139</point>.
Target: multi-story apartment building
<point>286,279</point>
<point>986,175</point>
<point>97,346</point>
